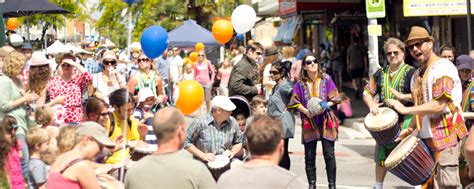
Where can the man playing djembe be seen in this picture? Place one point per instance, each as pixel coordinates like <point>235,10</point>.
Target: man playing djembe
<point>394,76</point>
<point>437,93</point>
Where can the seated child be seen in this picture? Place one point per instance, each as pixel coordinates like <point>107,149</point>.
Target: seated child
<point>38,144</point>
<point>143,113</point>
<point>11,163</point>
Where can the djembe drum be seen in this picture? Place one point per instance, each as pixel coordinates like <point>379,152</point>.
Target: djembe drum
<point>384,126</point>
<point>411,161</point>
<point>219,166</point>
<point>139,153</point>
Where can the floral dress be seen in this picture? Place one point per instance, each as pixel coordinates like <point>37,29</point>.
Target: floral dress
<point>71,110</point>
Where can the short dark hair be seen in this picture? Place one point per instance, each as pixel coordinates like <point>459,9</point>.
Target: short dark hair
<point>263,135</point>
<point>254,46</point>
<point>447,48</point>
<point>119,98</point>
<point>257,100</point>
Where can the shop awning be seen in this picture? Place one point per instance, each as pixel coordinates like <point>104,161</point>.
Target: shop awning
<point>287,29</point>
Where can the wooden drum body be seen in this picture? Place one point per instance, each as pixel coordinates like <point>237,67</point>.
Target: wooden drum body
<point>384,126</point>
<point>139,153</point>
<point>411,161</point>
<point>219,166</point>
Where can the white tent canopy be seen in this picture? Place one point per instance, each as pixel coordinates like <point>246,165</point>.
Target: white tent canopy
<point>71,47</point>
<point>57,47</point>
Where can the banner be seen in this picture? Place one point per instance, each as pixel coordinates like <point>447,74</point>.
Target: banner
<point>434,7</point>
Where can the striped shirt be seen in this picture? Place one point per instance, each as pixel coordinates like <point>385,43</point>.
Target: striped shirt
<point>207,137</point>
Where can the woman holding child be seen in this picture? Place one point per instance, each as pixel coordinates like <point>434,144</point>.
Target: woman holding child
<point>312,85</point>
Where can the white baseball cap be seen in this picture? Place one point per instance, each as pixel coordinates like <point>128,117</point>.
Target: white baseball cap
<point>223,102</point>
<point>15,40</point>
<point>144,94</point>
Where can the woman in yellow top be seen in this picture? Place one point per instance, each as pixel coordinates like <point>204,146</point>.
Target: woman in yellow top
<point>124,105</point>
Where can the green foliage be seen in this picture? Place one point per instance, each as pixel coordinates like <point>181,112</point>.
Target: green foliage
<point>76,7</point>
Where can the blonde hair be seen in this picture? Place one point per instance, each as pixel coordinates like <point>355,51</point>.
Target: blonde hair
<point>288,52</point>
<point>67,139</point>
<point>36,136</point>
<point>43,115</point>
<point>13,63</point>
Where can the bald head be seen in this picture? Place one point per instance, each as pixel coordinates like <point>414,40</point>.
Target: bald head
<point>165,123</point>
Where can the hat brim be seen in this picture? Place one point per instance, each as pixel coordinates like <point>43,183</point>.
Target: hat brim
<point>420,38</point>
<point>464,67</point>
<point>105,141</point>
<point>69,61</point>
<point>39,63</point>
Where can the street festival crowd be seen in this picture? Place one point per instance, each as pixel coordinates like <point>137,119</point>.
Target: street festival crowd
<point>108,118</point>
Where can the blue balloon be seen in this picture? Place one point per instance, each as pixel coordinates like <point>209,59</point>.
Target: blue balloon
<point>154,41</point>
<point>240,37</point>
<point>129,2</point>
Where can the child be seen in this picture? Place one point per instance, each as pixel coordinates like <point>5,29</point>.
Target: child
<point>10,150</point>
<point>143,113</point>
<point>241,121</point>
<point>344,109</point>
<point>188,74</point>
<point>66,139</point>
<point>38,144</point>
<point>44,118</point>
<point>259,107</point>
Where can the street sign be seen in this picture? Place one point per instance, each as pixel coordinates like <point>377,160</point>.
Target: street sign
<point>374,30</point>
<point>434,7</point>
<point>375,8</point>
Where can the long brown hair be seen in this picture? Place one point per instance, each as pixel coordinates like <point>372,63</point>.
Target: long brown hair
<point>5,127</point>
<point>38,79</point>
<point>304,75</point>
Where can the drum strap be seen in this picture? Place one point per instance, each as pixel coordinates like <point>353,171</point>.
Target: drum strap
<point>466,98</point>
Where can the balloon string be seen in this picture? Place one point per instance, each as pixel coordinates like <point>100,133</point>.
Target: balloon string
<point>233,43</point>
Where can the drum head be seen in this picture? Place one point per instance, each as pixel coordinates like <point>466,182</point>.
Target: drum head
<point>148,150</point>
<point>221,161</point>
<point>402,150</point>
<point>381,121</point>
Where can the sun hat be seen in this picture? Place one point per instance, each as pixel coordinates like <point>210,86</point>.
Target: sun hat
<point>223,102</point>
<point>15,40</point>
<point>96,131</point>
<point>270,51</point>
<point>144,94</point>
<point>109,55</point>
<point>39,59</point>
<point>464,62</point>
<point>417,32</point>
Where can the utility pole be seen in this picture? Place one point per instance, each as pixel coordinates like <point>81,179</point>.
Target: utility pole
<point>469,37</point>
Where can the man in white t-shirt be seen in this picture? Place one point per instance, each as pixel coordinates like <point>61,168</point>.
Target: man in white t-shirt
<point>176,64</point>
<point>264,137</point>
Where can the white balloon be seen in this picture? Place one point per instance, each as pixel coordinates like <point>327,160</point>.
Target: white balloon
<point>243,18</point>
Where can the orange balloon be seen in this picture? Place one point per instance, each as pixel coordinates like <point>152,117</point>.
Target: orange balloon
<point>186,60</point>
<point>193,56</point>
<point>222,31</point>
<point>198,47</point>
<point>250,42</point>
<point>191,96</point>
<point>12,23</point>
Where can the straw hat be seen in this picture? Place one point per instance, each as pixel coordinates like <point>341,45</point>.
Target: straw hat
<point>39,59</point>
<point>418,32</point>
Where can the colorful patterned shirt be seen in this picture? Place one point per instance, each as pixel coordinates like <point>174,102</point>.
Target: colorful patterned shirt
<point>207,137</point>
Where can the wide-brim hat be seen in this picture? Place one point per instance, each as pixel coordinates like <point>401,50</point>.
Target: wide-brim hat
<point>109,55</point>
<point>96,131</point>
<point>270,51</point>
<point>417,32</point>
<point>39,59</point>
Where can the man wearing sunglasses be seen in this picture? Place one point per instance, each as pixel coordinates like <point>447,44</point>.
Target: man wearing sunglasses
<point>397,76</point>
<point>437,93</point>
<point>243,77</point>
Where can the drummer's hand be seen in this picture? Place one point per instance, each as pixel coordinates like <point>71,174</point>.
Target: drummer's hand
<point>374,108</point>
<point>404,133</point>
<point>397,94</point>
<point>104,169</point>
<point>228,153</point>
<point>209,157</point>
<point>118,143</point>
<point>142,130</point>
<point>397,105</point>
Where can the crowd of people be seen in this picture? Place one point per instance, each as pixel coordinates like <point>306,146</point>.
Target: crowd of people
<point>106,118</point>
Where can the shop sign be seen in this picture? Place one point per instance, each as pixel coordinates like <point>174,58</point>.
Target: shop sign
<point>286,7</point>
<point>374,30</point>
<point>375,8</point>
<point>434,7</point>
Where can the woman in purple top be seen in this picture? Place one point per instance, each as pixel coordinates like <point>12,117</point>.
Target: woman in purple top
<point>321,125</point>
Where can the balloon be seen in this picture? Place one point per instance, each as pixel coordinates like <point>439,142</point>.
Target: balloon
<point>12,23</point>
<point>186,60</point>
<point>250,42</point>
<point>154,41</point>
<point>222,31</point>
<point>191,96</point>
<point>198,47</point>
<point>193,56</point>
<point>243,18</point>
<point>129,2</point>
<point>240,37</point>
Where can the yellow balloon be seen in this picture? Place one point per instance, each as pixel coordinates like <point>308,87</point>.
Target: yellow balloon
<point>199,47</point>
<point>193,56</point>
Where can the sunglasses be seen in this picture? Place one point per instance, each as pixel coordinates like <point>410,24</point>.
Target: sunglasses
<point>416,44</point>
<point>259,53</point>
<point>13,128</point>
<point>143,60</point>
<point>393,53</point>
<point>65,65</point>
<point>104,114</point>
<point>201,55</point>
<point>110,62</point>
<point>309,62</point>
<point>274,72</point>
